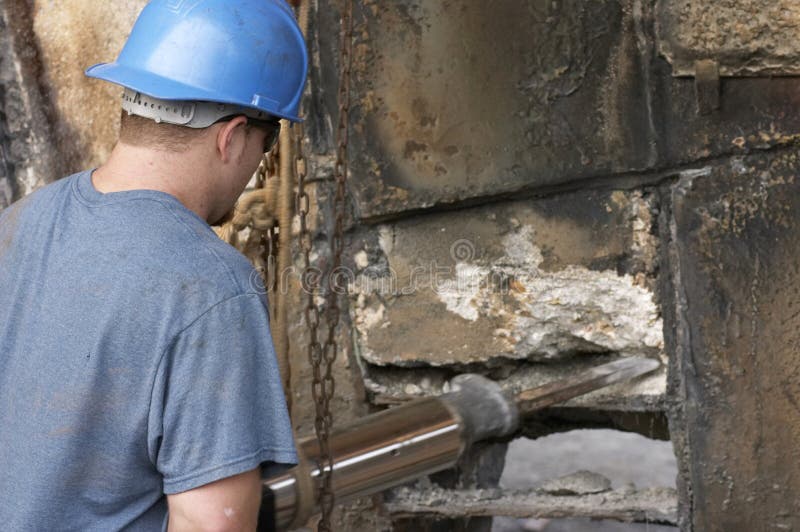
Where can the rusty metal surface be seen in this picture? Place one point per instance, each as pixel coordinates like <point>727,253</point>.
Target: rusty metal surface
<point>459,101</point>
<point>736,280</point>
<point>746,37</point>
<point>754,114</point>
<point>462,99</point>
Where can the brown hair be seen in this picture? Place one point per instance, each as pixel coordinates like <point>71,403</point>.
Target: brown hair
<point>139,131</point>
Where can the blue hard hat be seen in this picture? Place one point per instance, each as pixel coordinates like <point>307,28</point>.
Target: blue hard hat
<point>249,53</point>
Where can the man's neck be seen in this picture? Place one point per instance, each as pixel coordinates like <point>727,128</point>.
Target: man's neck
<point>139,168</point>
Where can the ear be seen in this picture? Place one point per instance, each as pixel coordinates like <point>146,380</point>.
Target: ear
<point>231,139</point>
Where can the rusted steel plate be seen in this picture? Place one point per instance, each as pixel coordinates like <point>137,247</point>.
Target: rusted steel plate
<point>746,37</point>
<point>461,99</point>
<point>736,280</point>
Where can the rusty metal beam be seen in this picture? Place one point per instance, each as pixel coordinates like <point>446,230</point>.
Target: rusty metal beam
<point>736,286</point>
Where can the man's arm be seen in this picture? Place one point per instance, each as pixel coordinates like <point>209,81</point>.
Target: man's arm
<point>227,505</point>
<point>217,414</point>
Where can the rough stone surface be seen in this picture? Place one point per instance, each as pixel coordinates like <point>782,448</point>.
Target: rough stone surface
<point>746,37</point>
<point>481,466</point>
<point>736,284</point>
<point>651,505</point>
<point>28,153</point>
<point>536,281</point>
<point>72,35</point>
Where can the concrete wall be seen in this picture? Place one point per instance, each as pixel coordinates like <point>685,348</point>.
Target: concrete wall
<point>534,187</point>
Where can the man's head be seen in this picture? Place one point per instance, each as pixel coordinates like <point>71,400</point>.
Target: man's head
<point>209,80</point>
<point>139,131</point>
<point>224,155</point>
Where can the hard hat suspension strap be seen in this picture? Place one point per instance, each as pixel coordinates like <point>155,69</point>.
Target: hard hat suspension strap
<point>196,115</point>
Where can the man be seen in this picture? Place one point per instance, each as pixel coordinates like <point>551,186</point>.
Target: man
<point>138,383</point>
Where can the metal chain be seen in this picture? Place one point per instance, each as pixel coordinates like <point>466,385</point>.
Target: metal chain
<point>332,311</point>
<point>268,169</point>
<point>310,280</point>
<point>321,358</point>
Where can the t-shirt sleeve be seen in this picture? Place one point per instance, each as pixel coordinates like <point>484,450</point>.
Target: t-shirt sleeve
<point>218,407</point>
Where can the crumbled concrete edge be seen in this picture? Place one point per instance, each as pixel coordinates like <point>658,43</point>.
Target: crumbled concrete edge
<point>545,315</point>
<point>627,504</point>
<point>397,385</point>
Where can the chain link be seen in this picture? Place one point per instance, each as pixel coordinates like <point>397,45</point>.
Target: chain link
<point>334,288</point>
<point>268,239</point>
<point>310,280</point>
<point>322,357</point>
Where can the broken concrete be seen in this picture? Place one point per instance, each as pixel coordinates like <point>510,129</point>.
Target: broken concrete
<point>517,281</point>
<point>650,505</point>
<point>397,385</point>
<point>578,483</point>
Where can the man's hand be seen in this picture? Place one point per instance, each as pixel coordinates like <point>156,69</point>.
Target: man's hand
<point>227,505</point>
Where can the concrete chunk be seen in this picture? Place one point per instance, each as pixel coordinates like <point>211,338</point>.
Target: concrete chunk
<point>578,483</point>
<point>521,281</point>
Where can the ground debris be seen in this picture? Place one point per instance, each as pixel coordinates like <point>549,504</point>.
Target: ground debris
<point>650,505</point>
<point>578,483</point>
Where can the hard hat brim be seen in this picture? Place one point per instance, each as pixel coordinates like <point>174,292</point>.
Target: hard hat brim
<point>167,89</point>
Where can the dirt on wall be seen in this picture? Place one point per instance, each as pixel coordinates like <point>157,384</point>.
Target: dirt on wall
<point>72,35</point>
<point>746,37</point>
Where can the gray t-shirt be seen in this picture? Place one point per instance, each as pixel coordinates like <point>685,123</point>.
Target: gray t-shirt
<point>135,360</point>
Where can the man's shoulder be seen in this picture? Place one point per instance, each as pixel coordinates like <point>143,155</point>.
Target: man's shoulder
<point>231,268</point>
<point>191,252</point>
<point>39,196</point>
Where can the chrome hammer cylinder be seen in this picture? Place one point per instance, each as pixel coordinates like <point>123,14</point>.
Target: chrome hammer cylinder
<point>424,436</point>
<point>398,445</point>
